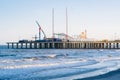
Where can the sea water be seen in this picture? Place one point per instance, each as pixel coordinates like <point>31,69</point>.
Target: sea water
<point>56,64</point>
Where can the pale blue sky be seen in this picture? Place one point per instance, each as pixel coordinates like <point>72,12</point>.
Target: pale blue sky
<point>101,18</point>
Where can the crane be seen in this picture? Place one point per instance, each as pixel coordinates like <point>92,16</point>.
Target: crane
<point>40,29</point>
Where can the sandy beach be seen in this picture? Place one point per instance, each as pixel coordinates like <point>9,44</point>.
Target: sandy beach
<point>114,75</point>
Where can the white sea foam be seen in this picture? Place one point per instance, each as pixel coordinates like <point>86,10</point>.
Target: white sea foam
<point>37,65</point>
<point>56,65</point>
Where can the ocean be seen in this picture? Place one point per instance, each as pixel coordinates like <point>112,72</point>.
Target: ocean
<point>56,64</point>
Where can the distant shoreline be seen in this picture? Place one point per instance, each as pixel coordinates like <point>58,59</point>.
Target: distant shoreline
<point>114,75</point>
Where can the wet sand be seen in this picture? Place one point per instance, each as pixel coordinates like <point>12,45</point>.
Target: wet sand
<point>114,75</point>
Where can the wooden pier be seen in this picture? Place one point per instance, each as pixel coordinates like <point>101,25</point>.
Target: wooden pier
<point>65,45</point>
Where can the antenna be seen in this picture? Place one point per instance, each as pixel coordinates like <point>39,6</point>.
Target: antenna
<point>66,25</point>
<point>53,23</point>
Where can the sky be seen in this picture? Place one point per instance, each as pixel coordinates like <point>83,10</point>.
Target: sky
<point>99,17</point>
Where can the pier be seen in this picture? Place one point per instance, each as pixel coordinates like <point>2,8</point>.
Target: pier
<point>65,45</point>
<point>63,40</point>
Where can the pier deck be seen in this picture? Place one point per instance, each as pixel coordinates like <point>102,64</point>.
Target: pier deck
<point>65,45</point>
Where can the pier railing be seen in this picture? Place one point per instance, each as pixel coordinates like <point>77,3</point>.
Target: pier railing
<point>65,45</point>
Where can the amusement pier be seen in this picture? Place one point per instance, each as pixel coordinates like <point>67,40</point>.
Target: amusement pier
<point>63,40</point>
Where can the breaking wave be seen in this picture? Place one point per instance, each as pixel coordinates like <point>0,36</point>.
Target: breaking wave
<point>44,64</point>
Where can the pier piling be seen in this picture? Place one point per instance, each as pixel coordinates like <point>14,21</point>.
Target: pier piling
<point>65,45</point>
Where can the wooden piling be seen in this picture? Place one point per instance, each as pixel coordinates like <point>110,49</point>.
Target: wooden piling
<point>65,45</point>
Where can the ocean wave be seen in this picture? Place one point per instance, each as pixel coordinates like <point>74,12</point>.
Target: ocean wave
<point>68,63</point>
<point>6,55</point>
<point>56,64</point>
